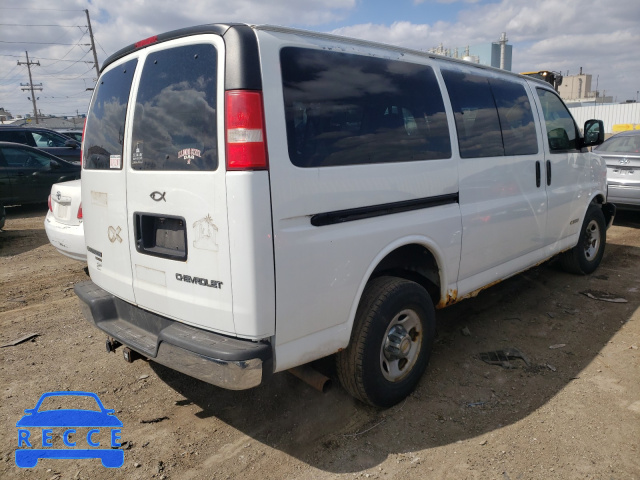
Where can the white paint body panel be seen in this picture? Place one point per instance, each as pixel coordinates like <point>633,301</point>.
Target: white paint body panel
<point>321,272</point>
<point>300,285</point>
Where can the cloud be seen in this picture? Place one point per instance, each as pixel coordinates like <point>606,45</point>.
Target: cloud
<point>547,34</point>
<point>116,24</point>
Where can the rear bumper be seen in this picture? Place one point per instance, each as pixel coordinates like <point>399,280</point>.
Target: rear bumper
<point>223,361</point>
<point>67,239</point>
<point>624,195</point>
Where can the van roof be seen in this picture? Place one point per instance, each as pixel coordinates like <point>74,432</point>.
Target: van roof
<point>240,30</point>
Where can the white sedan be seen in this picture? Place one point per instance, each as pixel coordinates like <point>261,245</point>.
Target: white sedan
<point>63,222</point>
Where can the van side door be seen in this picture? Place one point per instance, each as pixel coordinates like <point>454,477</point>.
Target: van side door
<point>361,136</point>
<point>502,198</point>
<point>567,178</point>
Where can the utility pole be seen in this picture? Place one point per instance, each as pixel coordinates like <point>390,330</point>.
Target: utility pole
<point>30,85</point>
<point>93,46</point>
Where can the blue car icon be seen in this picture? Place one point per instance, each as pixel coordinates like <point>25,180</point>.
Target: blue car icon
<point>69,419</point>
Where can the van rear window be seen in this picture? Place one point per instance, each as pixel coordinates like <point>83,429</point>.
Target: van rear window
<point>174,125</point>
<point>345,109</point>
<point>104,133</point>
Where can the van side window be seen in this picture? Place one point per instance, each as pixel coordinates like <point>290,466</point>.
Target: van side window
<point>105,125</point>
<point>561,129</point>
<point>493,116</point>
<point>174,124</point>
<point>516,117</point>
<point>475,113</point>
<point>345,109</point>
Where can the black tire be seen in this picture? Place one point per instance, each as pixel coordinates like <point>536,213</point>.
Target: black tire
<point>384,360</point>
<point>585,257</point>
<point>3,216</point>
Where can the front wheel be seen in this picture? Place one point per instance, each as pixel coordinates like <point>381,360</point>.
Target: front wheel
<point>390,344</point>
<point>585,257</point>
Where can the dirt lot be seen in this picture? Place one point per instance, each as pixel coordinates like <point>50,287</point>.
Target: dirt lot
<point>574,412</point>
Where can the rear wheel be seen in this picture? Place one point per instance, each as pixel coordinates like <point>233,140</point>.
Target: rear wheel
<point>585,257</point>
<point>390,344</point>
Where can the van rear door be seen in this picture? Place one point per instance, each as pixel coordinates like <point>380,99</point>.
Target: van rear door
<point>104,181</point>
<point>176,194</point>
<point>156,216</point>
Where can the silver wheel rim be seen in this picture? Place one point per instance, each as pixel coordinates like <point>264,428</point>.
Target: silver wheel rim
<point>401,345</point>
<point>592,240</point>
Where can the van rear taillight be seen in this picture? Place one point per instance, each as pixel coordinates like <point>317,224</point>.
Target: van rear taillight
<point>245,136</point>
<point>146,41</point>
<point>49,203</point>
<point>80,212</point>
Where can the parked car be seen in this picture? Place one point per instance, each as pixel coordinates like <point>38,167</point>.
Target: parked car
<point>63,222</point>
<point>622,154</point>
<point>47,140</point>
<point>324,197</point>
<point>27,173</point>
<point>71,133</point>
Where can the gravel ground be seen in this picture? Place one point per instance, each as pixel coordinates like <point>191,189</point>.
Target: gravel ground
<point>572,413</point>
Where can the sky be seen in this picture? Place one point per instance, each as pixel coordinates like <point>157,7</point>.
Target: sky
<point>600,37</point>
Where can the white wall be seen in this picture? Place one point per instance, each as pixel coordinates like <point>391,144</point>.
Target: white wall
<point>610,114</point>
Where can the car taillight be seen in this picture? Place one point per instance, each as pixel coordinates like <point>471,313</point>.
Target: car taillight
<point>82,144</point>
<point>245,135</point>
<point>49,203</point>
<point>80,212</point>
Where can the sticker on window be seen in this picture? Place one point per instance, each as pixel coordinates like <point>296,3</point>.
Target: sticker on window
<point>115,161</point>
<point>136,159</point>
<point>189,154</point>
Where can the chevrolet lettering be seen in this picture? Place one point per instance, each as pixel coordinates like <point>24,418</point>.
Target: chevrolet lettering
<point>198,281</point>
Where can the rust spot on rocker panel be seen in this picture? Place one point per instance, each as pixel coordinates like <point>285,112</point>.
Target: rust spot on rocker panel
<point>450,299</point>
<point>452,295</point>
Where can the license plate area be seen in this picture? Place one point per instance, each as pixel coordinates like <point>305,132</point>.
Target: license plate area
<point>161,236</point>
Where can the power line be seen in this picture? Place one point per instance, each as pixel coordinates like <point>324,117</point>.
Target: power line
<point>10,72</point>
<point>71,49</point>
<point>47,9</point>
<point>38,25</point>
<point>45,43</point>
<point>101,47</point>
<point>69,66</point>
<point>52,59</point>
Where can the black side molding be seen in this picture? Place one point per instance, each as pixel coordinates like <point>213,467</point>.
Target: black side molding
<point>352,214</point>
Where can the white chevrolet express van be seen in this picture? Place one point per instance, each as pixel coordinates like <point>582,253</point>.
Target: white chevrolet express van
<point>256,198</point>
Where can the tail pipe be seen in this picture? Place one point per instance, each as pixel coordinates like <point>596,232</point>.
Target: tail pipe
<point>311,376</point>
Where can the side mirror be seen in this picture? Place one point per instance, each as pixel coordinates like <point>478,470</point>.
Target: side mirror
<point>593,133</point>
<point>71,143</point>
<point>54,165</point>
